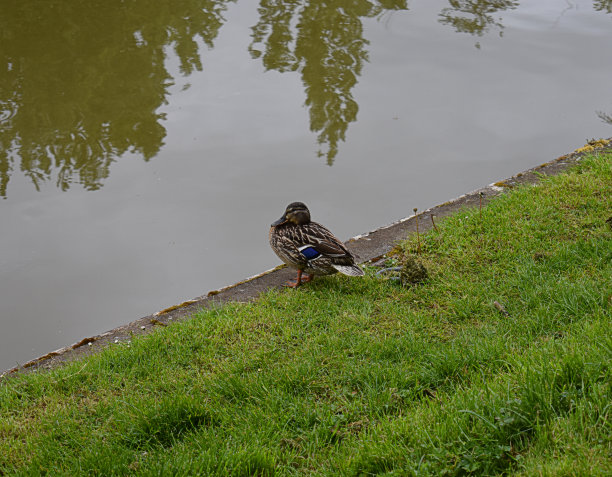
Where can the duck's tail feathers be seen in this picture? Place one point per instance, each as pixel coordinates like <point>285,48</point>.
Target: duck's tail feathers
<point>350,270</point>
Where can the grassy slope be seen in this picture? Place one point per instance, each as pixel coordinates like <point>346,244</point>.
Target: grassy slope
<point>362,376</point>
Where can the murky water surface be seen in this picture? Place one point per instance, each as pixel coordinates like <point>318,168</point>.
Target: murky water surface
<point>145,147</point>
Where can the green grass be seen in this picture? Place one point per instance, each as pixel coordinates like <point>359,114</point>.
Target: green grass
<point>362,376</point>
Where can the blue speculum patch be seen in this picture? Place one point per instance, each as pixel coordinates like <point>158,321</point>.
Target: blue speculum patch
<point>310,253</point>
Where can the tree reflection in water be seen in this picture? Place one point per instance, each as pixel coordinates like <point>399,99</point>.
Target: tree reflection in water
<point>606,118</point>
<point>475,16</point>
<point>328,48</point>
<point>82,81</point>
<point>603,6</point>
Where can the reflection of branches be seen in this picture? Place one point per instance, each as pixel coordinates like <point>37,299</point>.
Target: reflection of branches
<point>82,82</point>
<point>606,118</point>
<point>275,24</point>
<point>603,5</point>
<point>327,47</point>
<point>331,59</point>
<point>474,16</point>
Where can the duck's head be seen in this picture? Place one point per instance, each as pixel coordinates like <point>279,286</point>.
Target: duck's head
<point>296,213</point>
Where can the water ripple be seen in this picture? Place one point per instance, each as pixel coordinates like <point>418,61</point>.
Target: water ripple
<point>7,111</point>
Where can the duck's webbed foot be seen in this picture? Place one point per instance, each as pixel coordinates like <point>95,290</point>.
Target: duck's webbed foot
<point>299,280</point>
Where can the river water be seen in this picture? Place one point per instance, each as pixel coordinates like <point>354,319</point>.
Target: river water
<point>145,147</point>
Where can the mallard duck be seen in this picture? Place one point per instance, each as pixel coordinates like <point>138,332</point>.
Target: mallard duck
<point>309,247</point>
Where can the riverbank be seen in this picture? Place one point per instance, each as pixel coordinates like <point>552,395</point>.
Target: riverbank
<point>356,376</point>
<point>368,247</point>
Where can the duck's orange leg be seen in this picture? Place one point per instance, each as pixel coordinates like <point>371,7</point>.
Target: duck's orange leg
<point>299,280</point>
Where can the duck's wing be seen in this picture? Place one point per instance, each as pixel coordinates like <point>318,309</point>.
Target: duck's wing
<point>331,247</point>
<point>313,241</point>
<point>323,241</point>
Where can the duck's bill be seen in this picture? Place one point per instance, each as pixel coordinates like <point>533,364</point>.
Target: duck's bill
<point>280,221</point>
